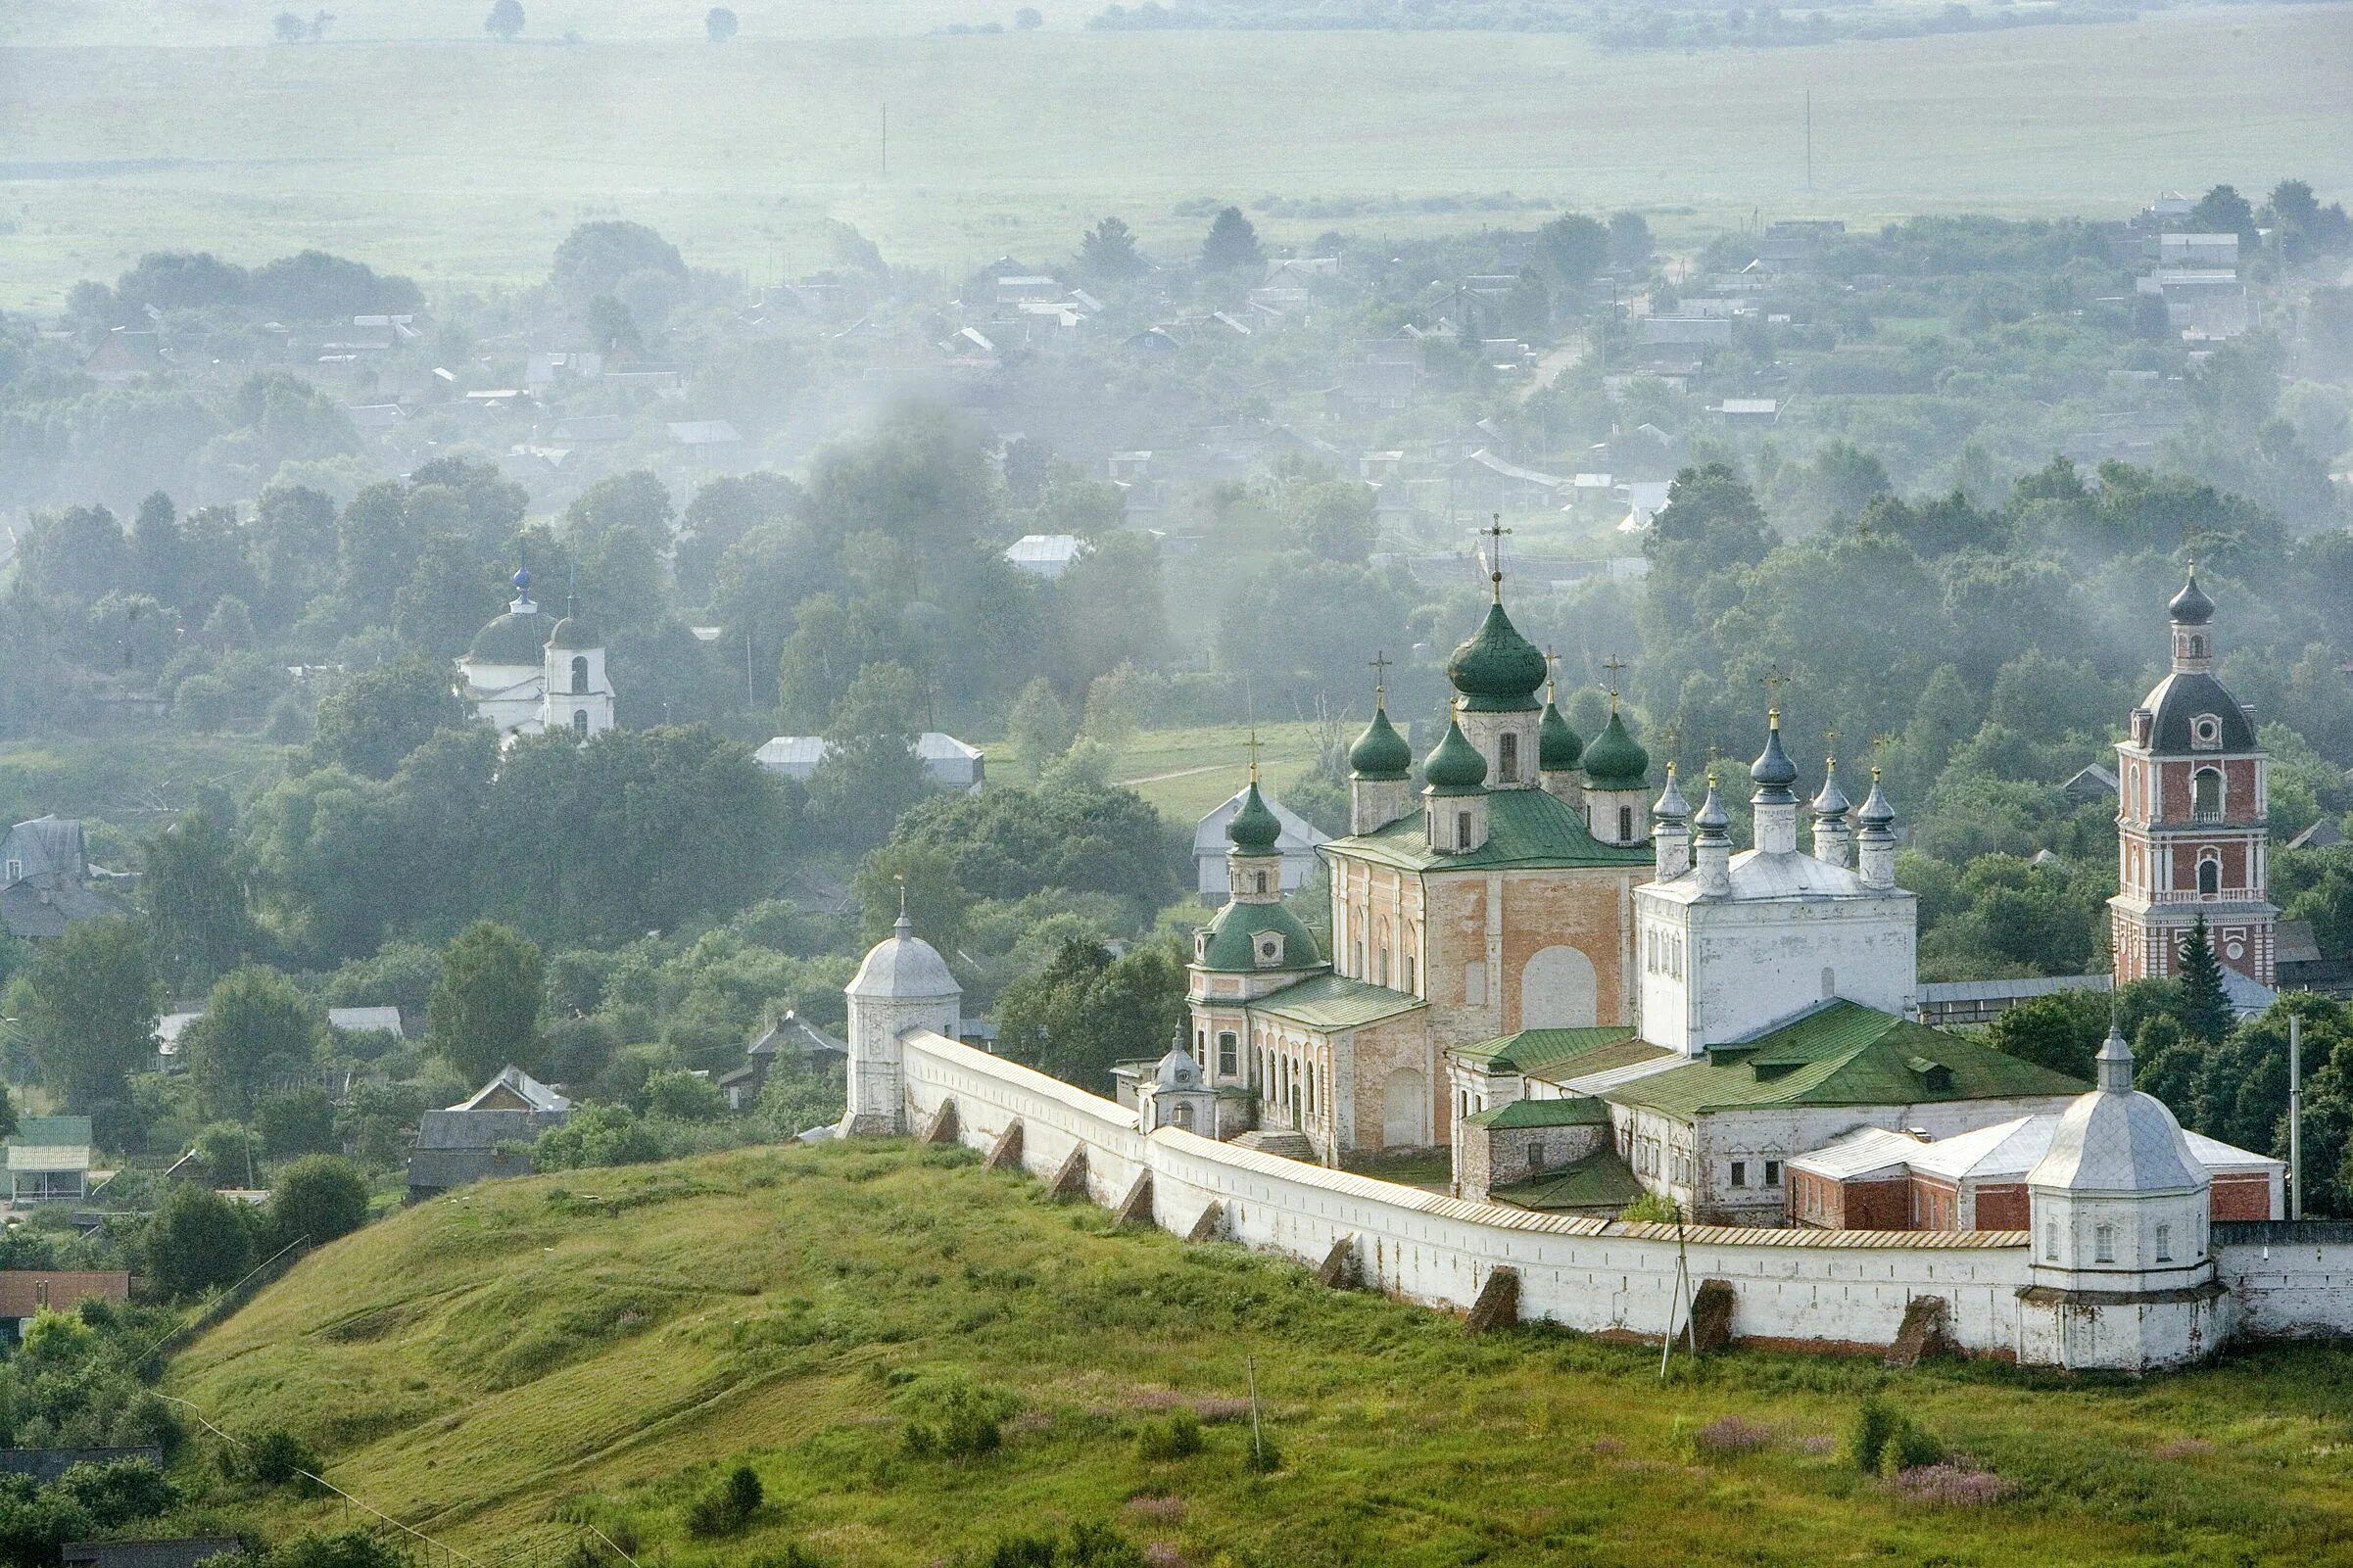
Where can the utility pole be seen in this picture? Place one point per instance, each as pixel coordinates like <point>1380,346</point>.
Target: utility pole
<point>885,142</point>
<point>2296,1117</point>
<point>1809,140</point>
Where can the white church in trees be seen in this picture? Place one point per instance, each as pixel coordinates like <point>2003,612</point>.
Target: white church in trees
<point>525,676</point>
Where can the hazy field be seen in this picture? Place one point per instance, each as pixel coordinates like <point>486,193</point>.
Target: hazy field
<point>459,160</point>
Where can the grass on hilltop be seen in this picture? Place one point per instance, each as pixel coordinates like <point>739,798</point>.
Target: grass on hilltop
<point>423,147</point>
<point>506,1365</point>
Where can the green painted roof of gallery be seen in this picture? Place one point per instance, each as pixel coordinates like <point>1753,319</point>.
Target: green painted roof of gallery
<point>1536,1048</point>
<point>1575,1110</point>
<point>1525,829</point>
<point>1232,938</point>
<point>1842,1052</point>
<point>1599,1181</point>
<point>1336,1002</point>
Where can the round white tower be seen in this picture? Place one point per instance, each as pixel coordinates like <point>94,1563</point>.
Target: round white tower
<point>903,984</point>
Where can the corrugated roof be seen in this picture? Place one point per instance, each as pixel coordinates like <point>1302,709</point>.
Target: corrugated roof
<point>1333,1002</point>
<point>1525,828</point>
<point>1843,1053</point>
<point>1577,1111</point>
<point>1599,1180</point>
<point>1530,1049</point>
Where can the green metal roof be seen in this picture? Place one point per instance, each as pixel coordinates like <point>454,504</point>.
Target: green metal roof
<point>1333,1002</point>
<point>511,639</point>
<point>1381,752</point>
<point>1840,1054</point>
<point>1454,767</point>
<point>1234,934</point>
<point>1599,1181</point>
<point>1558,747</point>
<point>51,1132</point>
<point>1616,760</point>
<point>1536,1048</point>
<point>1525,829</point>
<point>1575,1110</point>
<point>1496,669</point>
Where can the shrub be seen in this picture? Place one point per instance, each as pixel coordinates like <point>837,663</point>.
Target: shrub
<point>318,1198</point>
<point>1883,1441</point>
<point>950,1416</point>
<point>1651,1208</point>
<point>1955,1486</point>
<point>727,1506</point>
<point>1176,1438</point>
<point>271,1459</point>
<point>1729,1435</point>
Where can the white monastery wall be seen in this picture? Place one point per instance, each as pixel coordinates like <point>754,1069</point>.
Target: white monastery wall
<point>2288,1289</point>
<point>1595,1275</point>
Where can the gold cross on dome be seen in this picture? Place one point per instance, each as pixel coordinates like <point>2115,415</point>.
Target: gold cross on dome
<point>1380,674</point>
<point>1252,745</point>
<point>1616,667</point>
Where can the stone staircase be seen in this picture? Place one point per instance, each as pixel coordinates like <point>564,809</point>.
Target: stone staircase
<point>1277,1140</point>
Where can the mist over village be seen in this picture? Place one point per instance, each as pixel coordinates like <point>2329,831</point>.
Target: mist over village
<point>1222,784</point>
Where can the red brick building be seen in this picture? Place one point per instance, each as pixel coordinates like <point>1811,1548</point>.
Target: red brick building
<point>1872,1179</point>
<point>2192,817</point>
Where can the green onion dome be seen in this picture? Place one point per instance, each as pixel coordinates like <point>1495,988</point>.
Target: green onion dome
<point>516,637</point>
<point>1614,761</point>
<point>574,632</point>
<point>1558,749</point>
<point>1254,829</point>
<point>2190,606</point>
<point>1454,767</point>
<point>1381,752</point>
<point>1497,669</point>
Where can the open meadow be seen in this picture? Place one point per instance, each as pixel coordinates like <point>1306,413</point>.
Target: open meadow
<point>410,140</point>
<point>506,1365</point>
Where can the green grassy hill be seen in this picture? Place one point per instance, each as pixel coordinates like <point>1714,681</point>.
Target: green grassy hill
<point>411,141</point>
<point>501,1366</point>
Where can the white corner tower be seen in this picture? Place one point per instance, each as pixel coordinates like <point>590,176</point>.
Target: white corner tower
<point>575,694</point>
<point>903,986</point>
<point>2123,1272</point>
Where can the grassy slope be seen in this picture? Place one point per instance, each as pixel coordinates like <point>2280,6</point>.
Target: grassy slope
<point>487,1363</point>
<point>129,780</point>
<point>459,160</point>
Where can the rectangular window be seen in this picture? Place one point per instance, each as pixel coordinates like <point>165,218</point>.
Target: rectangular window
<point>2050,1241</point>
<point>2164,1244</point>
<point>1625,824</point>
<point>1740,1173</point>
<point>1772,1173</point>
<point>1408,972</point>
<point>1227,1046</point>
<point>1508,758</point>
<point>1461,829</point>
<point>2103,1244</point>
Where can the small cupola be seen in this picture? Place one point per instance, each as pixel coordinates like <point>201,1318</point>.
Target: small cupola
<point>1454,790</point>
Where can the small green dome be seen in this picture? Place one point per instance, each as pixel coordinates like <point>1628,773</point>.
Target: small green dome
<point>1497,669</point>
<point>1558,749</point>
<point>1254,829</point>
<point>1454,767</point>
<point>1234,940</point>
<point>516,637</point>
<point>1381,752</point>
<point>1614,761</point>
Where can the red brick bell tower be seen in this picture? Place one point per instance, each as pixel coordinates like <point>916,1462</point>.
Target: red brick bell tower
<point>2192,817</point>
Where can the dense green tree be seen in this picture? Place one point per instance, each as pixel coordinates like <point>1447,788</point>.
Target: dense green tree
<point>192,896</point>
<point>870,773</point>
<point>722,514</point>
<point>317,1199</point>
<point>371,724</point>
<point>1574,247</point>
<point>2205,1006</point>
<point>1107,254</point>
<point>296,1123</point>
<point>92,999</point>
<point>1041,726</point>
<point>197,1241</point>
<point>593,1136</point>
<point>720,24</point>
<point>1232,243</point>
<point>256,1027</point>
<point>596,256</point>
<point>505,20</point>
<point>485,1012</point>
<point>1087,1011</point>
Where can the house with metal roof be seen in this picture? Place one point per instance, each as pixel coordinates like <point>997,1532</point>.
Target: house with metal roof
<point>46,881</point>
<point>486,1136</point>
<point>49,1160</point>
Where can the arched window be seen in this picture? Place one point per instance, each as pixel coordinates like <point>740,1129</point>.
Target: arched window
<point>1260,879</point>
<point>1625,824</point>
<point>1184,1117</point>
<point>1506,758</point>
<point>2210,875</point>
<point>2206,795</point>
<point>1461,829</point>
<point>580,723</point>
<point>580,684</point>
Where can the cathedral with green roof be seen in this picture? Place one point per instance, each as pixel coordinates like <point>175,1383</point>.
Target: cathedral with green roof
<point>1488,899</point>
